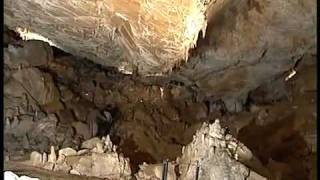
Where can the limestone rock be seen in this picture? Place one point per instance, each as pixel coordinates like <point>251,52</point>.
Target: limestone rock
<point>82,129</point>
<point>103,165</point>
<point>247,43</point>
<point>67,152</point>
<point>49,166</point>
<point>61,159</point>
<point>36,158</point>
<point>82,152</point>
<point>152,35</point>
<point>99,148</point>
<point>31,53</point>
<point>25,125</point>
<point>91,143</point>
<point>83,167</point>
<point>74,172</point>
<point>38,84</point>
<point>254,176</point>
<point>46,128</point>
<point>62,167</point>
<point>215,154</point>
<point>17,100</point>
<point>15,122</point>
<point>154,172</point>
<point>52,156</point>
<point>110,165</point>
<point>44,158</point>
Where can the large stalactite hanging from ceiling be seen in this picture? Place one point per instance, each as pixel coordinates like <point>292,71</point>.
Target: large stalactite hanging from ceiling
<point>151,35</point>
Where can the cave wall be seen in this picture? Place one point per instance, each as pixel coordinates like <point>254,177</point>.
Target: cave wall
<point>247,43</point>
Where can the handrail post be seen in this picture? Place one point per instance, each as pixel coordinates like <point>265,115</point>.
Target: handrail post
<point>165,169</point>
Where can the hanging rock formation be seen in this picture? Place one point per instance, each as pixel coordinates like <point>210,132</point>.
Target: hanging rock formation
<point>150,35</point>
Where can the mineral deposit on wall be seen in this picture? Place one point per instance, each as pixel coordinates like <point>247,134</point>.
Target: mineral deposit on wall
<point>150,35</point>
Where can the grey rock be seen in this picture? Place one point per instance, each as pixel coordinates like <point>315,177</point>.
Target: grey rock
<point>82,129</point>
<point>46,128</point>
<point>39,85</point>
<point>31,53</point>
<point>25,142</point>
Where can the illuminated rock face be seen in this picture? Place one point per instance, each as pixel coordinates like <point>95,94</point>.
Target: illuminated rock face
<point>152,36</point>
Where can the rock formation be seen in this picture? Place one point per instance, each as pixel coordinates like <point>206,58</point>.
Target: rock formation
<point>150,35</point>
<point>102,163</point>
<point>155,172</point>
<point>214,154</point>
<point>247,42</point>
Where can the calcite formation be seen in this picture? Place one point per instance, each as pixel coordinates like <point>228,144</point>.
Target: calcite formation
<point>87,162</point>
<point>152,36</point>
<point>155,172</point>
<point>214,154</point>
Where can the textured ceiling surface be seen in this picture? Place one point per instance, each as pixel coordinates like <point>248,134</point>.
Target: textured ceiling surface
<point>152,36</point>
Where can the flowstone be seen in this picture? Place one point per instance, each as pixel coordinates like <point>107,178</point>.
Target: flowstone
<point>214,154</point>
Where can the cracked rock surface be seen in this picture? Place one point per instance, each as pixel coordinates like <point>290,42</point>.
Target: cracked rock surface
<point>213,154</point>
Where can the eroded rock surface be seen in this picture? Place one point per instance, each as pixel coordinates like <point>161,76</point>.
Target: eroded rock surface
<point>150,35</point>
<point>213,154</point>
<point>104,164</point>
<point>155,172</point>
<point>248,43</point>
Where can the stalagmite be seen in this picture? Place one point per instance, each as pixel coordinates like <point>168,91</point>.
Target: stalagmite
<point>213,154</point>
